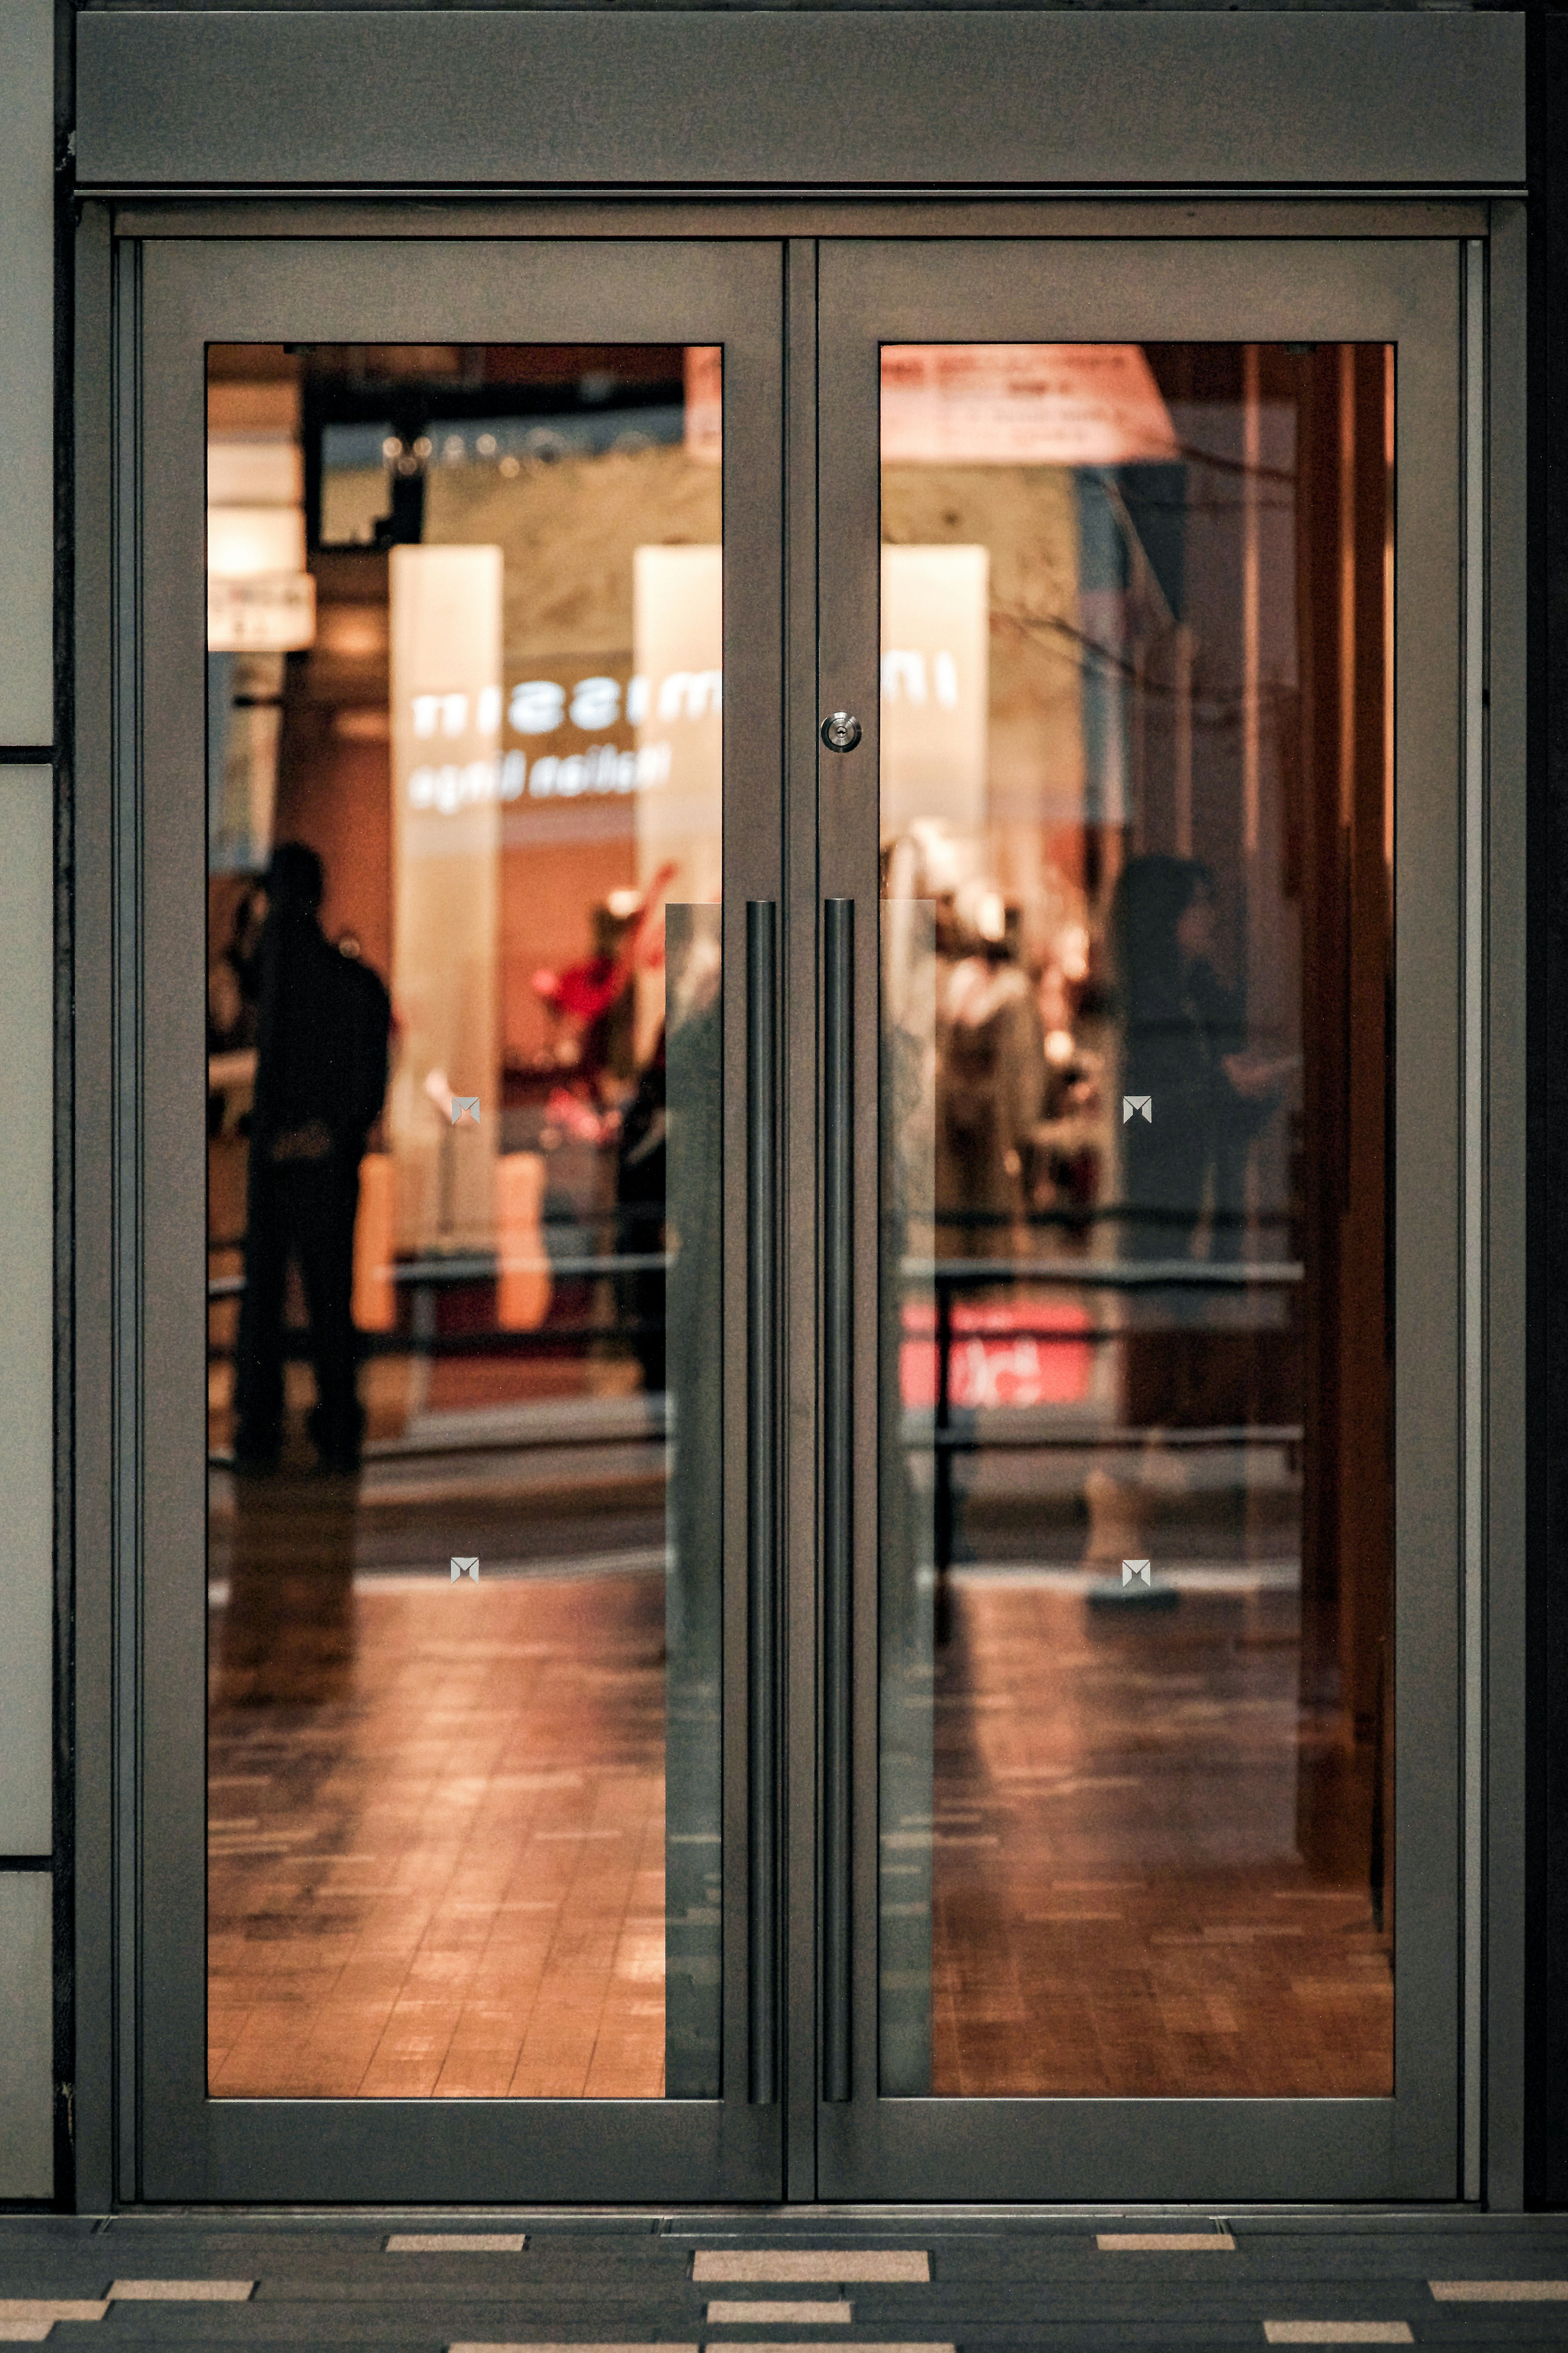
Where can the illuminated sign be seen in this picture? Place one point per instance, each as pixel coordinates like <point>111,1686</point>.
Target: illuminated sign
<point>445,654</point>
<point>602,768</point>
<point>260,597</point>
<point>936,610</point>
<point>266,612</point>
<point>1022,404</point>
<point>537,707</point>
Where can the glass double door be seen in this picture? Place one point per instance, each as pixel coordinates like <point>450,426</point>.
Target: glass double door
<point>822,1547</point>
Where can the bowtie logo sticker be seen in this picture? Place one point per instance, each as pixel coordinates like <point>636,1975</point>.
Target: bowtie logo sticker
<point>1143,1106</point>
<point>1131,1568</point>
<point>462,1103</point>
<point>465,1565</point>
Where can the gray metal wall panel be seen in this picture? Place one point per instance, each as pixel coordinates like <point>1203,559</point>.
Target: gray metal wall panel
<point>89,1300</point>
<point>809,98</point>
<point>26,2051</point>
<point>27,373</point>
<point>1508,2056</point>
<point>27,1308</point>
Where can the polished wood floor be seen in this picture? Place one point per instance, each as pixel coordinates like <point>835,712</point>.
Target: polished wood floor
<point>437,1840</point>
<point>1119,1909</point>
<point>436,1837</point>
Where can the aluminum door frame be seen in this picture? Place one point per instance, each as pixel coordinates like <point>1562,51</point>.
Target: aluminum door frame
<point>99,917</point>
<point>1412,294</point>
<point>170,300</point>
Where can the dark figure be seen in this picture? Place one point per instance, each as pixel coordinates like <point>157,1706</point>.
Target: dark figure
<point>1184,1037</point>
<point>1183,1046</point>
<point>234,977</point>
<point>322,1024</point>
<point>640,1178</point>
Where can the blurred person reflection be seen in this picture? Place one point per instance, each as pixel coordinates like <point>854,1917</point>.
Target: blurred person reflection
<point>991,1075</point>
<point>991,1087</point>
<point>323,1020</point>
<point>1183,1046</point>
<point>234,977</point>
<point>592,1000</point>
<point>641,1174</point>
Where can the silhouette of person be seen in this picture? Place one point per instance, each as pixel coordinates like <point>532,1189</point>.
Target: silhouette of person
<point>991,1096</point>
<point>323,1020</point>
<point>641,1173</point>
<point>1184,1045</point>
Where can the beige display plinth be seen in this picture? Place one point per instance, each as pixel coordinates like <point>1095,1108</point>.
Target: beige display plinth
<point>446,745</point>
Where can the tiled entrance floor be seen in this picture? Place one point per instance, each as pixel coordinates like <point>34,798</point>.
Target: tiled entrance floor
<point>1120,1905</point>
<point>436,1845</point>
<point>444,1878</point>
<point>1084,2283</point>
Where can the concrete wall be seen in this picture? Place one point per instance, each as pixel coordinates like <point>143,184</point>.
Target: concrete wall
<point>27,1094</point>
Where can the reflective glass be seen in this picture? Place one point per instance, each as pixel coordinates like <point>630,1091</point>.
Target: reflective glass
<point>464,858</point>
<point>1136,1560</point>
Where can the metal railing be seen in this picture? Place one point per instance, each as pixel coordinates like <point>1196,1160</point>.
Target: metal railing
<point>425,1277</point>
<point>946,1276</point>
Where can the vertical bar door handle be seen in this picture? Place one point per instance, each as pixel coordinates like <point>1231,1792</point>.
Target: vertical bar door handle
<point>837,1461</point>
<point>762,1491</point>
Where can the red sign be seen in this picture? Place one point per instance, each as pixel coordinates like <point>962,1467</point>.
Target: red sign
<point>1016,1352</point>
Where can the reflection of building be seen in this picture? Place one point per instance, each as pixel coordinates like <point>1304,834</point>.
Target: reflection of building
<point>556,770</point>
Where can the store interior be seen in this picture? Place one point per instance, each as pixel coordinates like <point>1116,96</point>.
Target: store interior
<point>465,646</point>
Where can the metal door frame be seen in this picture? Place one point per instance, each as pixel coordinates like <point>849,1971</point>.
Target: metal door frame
<point>106,1211</point>
<point>1429,298</point>
<point>171,299</point>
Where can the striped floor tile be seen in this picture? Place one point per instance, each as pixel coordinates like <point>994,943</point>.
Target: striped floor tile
<point>840,2265</point>
<point>761,2315</point>
<point>1165,2243</point>
<point>1500,2290</point>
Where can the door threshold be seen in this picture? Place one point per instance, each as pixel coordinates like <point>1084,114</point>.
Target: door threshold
<point>710,2220</point>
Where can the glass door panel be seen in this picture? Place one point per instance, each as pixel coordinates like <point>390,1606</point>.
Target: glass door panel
<point>1120,542</point>
<point>479,843</point>
<point>1136,832</point>
<point>465,862</point>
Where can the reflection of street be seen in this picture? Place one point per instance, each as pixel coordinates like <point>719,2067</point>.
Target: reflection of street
<point>1135,985</point>
<point>493,773</point>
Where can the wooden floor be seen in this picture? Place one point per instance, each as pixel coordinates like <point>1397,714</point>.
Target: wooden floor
<point>1117,1906</point>
<point>437,1840</point>
<point>437,1837</point>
